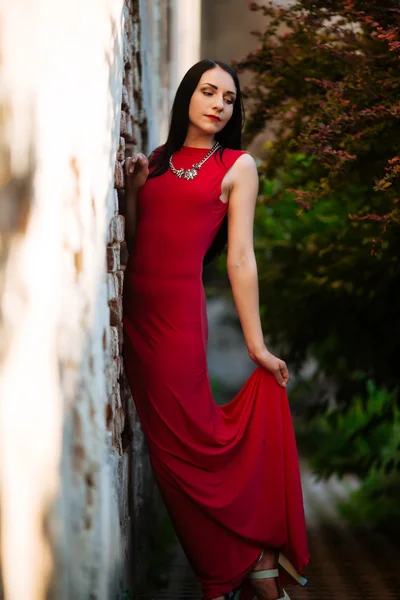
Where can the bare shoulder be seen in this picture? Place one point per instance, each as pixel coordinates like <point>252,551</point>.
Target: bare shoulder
<point>243,169</point>
<point>245,166</point>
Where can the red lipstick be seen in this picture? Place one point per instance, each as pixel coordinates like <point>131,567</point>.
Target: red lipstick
<point>213,117</point>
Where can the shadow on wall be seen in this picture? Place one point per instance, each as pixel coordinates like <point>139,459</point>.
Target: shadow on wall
<point>226,27</point>
<point>225,31</point>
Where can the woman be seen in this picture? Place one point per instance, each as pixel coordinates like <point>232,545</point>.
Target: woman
<point>228,474</point>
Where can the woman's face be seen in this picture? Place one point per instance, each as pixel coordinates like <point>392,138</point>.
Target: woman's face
<point>211,104</point>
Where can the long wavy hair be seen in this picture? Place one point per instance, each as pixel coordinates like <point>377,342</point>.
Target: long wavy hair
<point>229,137</point>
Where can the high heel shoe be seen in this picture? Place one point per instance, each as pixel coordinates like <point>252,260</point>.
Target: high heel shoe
<point>290,570</point>
<point>280,559</point>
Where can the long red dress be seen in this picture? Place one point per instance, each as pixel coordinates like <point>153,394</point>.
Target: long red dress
<point>229,475</point>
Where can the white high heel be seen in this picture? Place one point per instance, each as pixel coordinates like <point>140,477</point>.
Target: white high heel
<point>272,574</point>
<point>268,574</point>
<point>280,559</point>
<point>290,570</point>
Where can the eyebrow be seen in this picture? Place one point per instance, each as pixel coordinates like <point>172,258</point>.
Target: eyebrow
<point>215,88</point>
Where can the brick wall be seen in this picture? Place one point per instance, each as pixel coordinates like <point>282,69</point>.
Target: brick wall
<point>143,113</point>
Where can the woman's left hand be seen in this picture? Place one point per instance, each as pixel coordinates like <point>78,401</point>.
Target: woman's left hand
<point>274,365</point>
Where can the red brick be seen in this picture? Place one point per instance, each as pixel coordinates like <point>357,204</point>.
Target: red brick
<point>114,342</point>
<point>115,311</point>
<point>113,258</point>
<point>116,202</point>
<point>117,229</point>
<point>121,149</point>
<point>123,122</point>
<point>118,176</point>
<point>120,278</point>
<point>112,286</point>
<point>111,378</point>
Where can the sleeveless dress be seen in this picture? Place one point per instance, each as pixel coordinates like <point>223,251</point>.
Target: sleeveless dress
<point>229,475</point>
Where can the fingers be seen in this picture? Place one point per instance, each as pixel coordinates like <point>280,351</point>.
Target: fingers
<point>130,167</point>
<point>282,374</point>
<point>131,161</point>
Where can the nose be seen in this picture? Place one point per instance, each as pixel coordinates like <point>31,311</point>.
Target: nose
<point>218,102</point>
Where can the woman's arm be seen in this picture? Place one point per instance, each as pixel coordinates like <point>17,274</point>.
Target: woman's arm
<point>242,266</point>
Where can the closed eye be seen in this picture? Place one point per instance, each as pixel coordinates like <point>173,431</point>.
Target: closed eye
<point>227,100</point>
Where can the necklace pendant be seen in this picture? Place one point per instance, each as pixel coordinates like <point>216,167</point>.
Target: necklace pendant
<point>190,174</point>
<point>193,171</point>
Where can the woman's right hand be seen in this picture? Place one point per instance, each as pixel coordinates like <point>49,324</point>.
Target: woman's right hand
<point>136,171</point>
<point>273,364</point>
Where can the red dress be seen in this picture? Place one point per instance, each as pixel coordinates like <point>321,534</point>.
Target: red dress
<point>229,475</point>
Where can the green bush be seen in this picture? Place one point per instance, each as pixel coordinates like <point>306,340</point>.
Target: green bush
<point>366,436</point>
<point>376,503</point>
<point>363,440</point>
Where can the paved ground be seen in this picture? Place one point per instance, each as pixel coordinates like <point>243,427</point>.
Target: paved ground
<point>344,566</point>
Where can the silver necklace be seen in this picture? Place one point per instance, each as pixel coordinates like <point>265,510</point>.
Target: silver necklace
<point>192,172</point>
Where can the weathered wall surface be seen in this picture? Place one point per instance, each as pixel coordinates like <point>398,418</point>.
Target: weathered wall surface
<point>226,27</point>
<point>226,35</point>
<point>73,467</point>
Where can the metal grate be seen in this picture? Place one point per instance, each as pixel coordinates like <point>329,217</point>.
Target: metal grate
<point>344,565</point>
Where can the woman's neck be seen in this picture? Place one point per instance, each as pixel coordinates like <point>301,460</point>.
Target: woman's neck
<point>199,140</point>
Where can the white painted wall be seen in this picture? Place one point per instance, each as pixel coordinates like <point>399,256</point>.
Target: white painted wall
<point>61,72</point>
<point>185,40</point>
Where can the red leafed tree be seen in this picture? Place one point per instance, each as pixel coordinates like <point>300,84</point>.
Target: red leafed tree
<point>327,74</point>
